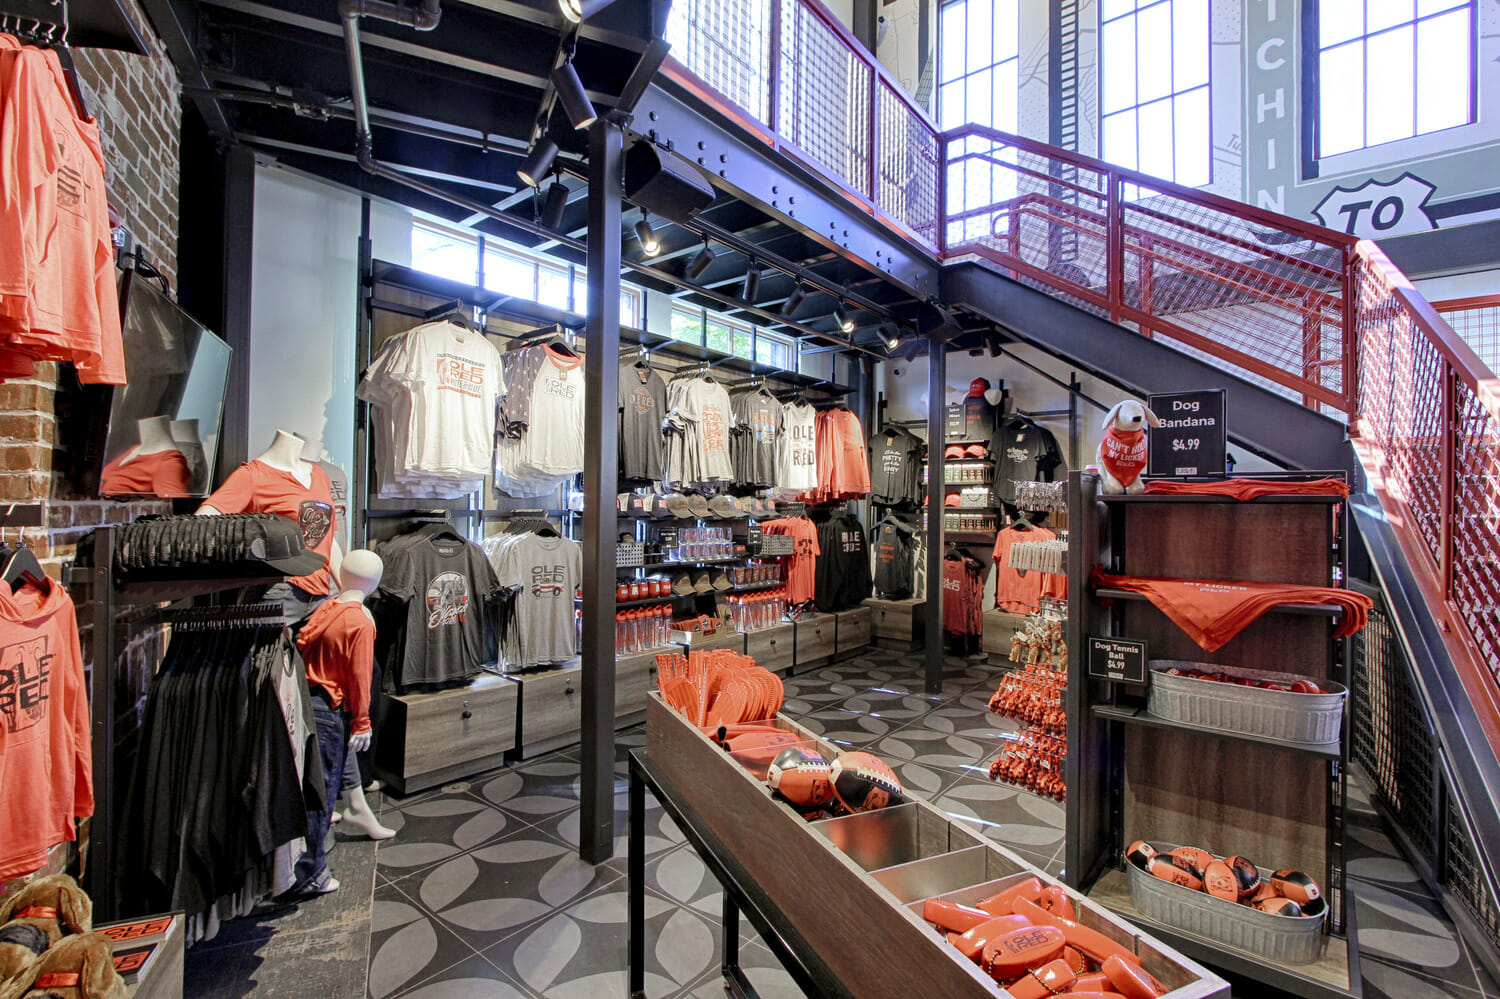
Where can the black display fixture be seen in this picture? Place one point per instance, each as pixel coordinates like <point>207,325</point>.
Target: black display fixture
<point>538,162</point>
<point>665,183</point>
<point>575,99</point>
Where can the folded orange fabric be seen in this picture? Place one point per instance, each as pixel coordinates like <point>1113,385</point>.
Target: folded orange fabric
<point>1249,489</point>
<point>1212,611</point>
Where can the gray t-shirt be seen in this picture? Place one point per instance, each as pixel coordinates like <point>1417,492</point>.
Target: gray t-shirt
<point>760,414</point>
<point>545,573</point>
<point>445,582</point>
<point>643,403</point>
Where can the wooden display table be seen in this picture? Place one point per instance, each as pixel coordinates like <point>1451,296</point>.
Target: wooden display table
<point>897,624</point>
<point>829,896</point>
<point>428,739</point>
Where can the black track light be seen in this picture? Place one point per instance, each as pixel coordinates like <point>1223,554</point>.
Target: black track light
<point>794,301</point>
<point>843,318</point>
<point>650,244</point>
<point>577,10</point>
<point>752,283</point>
<point>538,161</point>
<point>575,100</point>
<point>891,334</point>
<point>555,206</point>
<point>701,262</point>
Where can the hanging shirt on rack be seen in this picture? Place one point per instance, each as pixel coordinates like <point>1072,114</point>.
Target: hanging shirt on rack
<point>539,434</point>
<point>256,487</point>
<point>963,600</point>
<point>443,583</point>
<point>45,752</point>
<point>896,468</point>
<point>643,405</point>
<point>893,547</point>
<point>544,573</point>
<point>843,467</point>
<point>797,448</point>
<point>1020,591</point>
<point>843,571</point>
<point>799,570</point>
<point>1025,452</point>
<point>758,417</point>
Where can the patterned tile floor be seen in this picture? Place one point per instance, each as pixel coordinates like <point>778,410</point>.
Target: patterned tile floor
<point>481,893</point>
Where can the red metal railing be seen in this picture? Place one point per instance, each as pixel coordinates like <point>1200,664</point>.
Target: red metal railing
<point>1303,310</point>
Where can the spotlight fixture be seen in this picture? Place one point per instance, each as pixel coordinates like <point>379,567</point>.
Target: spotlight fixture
<point>537,162</point>
<point>843,318</point>
<point>647,236</point>
<point>575,100</point>
<point>794,300</point>
<point>577,10</point>
<point>752,283</point>
<point>555,205</point>
<point>701,262</point>
<point>891,334</point>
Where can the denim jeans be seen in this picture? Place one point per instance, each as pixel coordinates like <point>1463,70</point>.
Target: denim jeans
<point>333,746</point>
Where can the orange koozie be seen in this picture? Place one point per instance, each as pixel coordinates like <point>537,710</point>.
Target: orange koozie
<point>972,941</point>
<point>1011,954</point>
<point>1000,905</point>
<point>1094,944</point>
<point>1131,980</point>
<point>952,916</point>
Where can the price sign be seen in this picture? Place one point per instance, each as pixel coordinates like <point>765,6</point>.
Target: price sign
<point>1193,435</point>
<point>1117,659</point>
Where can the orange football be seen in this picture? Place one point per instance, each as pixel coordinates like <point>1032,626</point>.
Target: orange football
<point>1280,907</point>
<point>1220,882</point>
<point>1161,866</point>
<point>1296,886</point>
<point>1197,860</point>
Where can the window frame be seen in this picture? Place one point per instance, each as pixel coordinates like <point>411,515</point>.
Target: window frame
<point>971,71</point>
<point>1169,99</point>
<point>758,337</point>
<point>1312,98</point>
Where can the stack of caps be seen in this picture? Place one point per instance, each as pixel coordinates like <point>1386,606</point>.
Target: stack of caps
<point>256,544</point>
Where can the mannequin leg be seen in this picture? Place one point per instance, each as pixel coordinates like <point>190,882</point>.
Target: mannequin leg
<point>358,816</point>
<point>313,875</point>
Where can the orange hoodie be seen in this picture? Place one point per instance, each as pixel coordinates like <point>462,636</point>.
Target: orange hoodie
<point>338,645</point>
<point>45,754</point>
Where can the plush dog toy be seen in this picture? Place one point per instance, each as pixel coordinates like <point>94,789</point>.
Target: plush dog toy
<point>81,967</point>
<point>20,945</point>
<point>54,904</point>
<point>1121,456</point>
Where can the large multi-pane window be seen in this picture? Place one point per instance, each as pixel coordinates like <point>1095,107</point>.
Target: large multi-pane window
<point>533,277</point>
<point>731,336</point>
<point>1153,88</point>
<point>1392,69</point>
<point>979,58</point>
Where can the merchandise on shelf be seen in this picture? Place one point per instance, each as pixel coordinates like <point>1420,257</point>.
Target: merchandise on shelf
<point>1018,590</point>
<point>1034,696</point>
<point>1283,892</point>
<point>842,578</point>
<point>542,570</point>
<point>896,470</point>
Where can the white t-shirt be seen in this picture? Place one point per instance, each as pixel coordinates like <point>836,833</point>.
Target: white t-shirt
<point>553,444</point>
<point>797,448</point>
<point>455,379</point>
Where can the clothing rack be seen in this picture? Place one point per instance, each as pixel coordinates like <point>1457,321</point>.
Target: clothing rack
<point>226,615</point>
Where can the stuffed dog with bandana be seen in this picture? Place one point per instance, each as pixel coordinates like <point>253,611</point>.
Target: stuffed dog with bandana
<point>80,967</point>
<point>53,904</point>
<point>1121,456</point>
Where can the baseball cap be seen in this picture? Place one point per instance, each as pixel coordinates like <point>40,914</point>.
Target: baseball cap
<point>978,386</point>
<point>720,580</point>
<point>975,451</point>
<point>656,507</point>
<point>953,499</point>
<point>698,506</point>
<point>638,505</point>
<point>677,505</point>
<point>622,504</point>
<point>953,451</point>
<point>723,507</point>
<point>682,583</point>
<point>701,582</point>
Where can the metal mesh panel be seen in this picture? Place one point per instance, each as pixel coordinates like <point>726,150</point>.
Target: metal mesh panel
<point>908,166</point>
<point>823,103</point>
<point>1480,328</point>
<point>726,44</point>
<point>1391,739</point>
<point>1476,523</point>
<point>1466,877</point>
<point>1400,386</point>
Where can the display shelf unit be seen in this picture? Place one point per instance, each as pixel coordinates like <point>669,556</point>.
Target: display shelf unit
<point>1131,775</point>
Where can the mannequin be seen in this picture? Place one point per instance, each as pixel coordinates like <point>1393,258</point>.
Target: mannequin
<point>338,647</point>
<point>360,575</point>
<point>133,473</point>
<point>189,440</point>
<point>279,481</point>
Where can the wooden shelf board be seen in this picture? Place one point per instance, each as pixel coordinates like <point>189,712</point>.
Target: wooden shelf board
<point>1310,610</point>
<point>1140,716</point>
<point>1334,976</point>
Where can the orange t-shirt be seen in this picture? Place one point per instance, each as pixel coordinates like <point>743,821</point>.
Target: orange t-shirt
<point>256,487</point>
<point>58,298</point>
<point>1249,489</point>
<point>338,645</point>
<point>45,754</point>
<point>162,473</point>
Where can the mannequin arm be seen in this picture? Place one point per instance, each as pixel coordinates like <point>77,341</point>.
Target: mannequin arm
<point>336,563</point>
<point>207,511</point>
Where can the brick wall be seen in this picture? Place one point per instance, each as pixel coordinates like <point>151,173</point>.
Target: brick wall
<point>135,99</point>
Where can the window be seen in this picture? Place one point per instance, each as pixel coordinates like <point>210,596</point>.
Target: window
<point>1392,69</point>
<point>1153,88</point>
<point>978,63</point>
<point>731,336</point>
<point>534,277</point>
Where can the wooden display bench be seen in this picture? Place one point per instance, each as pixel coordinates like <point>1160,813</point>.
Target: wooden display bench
<point>817,640</point>
<point>852,636</point>
<point>999,628</point>
<point>428,739</point>
<point>897,624</point>
<point>1132,775</point>
<point>832,892</point>
<point>773,648</point>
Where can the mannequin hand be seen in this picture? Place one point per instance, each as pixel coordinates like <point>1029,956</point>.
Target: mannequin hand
<point>359,742</point>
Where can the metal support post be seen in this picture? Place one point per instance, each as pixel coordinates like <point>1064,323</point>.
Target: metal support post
<point>937,358</point>
<point>601,366</point>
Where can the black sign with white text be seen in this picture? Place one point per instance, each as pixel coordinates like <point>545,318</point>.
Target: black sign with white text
<point>1117,659</point>
<point>1193,436</point>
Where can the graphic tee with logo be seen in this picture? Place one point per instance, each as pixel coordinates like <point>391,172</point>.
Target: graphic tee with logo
<point>544,572</point>
<point>446,583</point>
<point>643,404</point>
<point>759,415</point>
<point>797,448</point>
<point>256,487</point>
<point>1026,453</point>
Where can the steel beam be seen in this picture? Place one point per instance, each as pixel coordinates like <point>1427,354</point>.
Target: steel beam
<point>178,42</point>
<point>601,366</point>
<point>937,357</point>
<point>737,163</point>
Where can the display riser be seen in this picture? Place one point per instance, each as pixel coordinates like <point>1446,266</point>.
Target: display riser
<point>163,979</point>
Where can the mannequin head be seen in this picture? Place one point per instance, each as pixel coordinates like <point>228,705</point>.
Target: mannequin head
<point>361,570</point>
